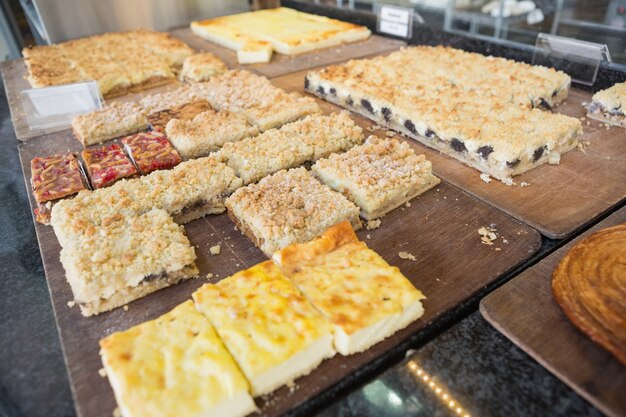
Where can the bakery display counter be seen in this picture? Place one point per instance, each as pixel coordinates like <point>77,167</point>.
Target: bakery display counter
<point>249,178</point>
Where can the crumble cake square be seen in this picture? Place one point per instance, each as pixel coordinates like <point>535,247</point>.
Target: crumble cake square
<point>125,259</point>
<point>201,67</point>
<point>288,207</point>
<point>272,331</point>
<point>378,176</point>
<point>609,105</point>
<point>208,132</point>
<point>106,165</point>
<point>151,152</point>
<point>115,120</point>
<point>364,298</point>
<point>265,105</point>
<point>203,381</point>
<point>293,144</point>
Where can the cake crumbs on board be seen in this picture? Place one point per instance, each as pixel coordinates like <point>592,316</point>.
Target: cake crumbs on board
<point>215,250</point>
<point>373,224</point>
<point>406,255</point>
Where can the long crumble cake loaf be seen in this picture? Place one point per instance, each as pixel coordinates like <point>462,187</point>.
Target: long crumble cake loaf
<point>316,136</point>
<point>609,105</point>
<point>272,331</point>
<point>288,207</point>
<point>364,298</point>
<point>265,105</point>
<point>126,259</point>
<point>208,132</point>
<point>486,127</point>
<point>174,365</point>
<point>191,190</point>
<point>378,176</point>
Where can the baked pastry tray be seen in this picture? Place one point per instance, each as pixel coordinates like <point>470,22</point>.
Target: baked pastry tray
<point>559,199</point>
<point>440,229</point>
<point>525,311</point>
<point>14,72</point>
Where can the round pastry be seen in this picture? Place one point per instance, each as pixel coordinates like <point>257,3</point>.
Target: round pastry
<point>590,286</point>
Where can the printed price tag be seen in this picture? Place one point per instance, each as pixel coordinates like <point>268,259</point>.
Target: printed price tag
<point>396,21</point>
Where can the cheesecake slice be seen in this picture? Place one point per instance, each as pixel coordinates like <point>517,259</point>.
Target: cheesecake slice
<point>272,331</point>
<point>174,365</point>
<point>364,298</point>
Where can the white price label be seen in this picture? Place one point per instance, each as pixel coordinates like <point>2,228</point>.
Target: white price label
<point>396,21</point>
<point>396,29</point>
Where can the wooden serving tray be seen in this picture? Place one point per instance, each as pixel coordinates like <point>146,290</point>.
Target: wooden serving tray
<point>524,310</point>
<point>285,64</point>
<point>439,229</point>
<point>14,72</point>
<point>560,198</point>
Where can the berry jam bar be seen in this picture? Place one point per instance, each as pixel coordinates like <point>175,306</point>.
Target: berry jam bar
<point>53,178</point>
<point>151,152</point>
<point>188,111</point>
<point>107,165</point>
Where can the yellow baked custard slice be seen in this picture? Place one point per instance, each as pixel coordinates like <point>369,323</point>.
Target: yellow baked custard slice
<point>364,298</point>
<point>175,365</point>
<point>255,34</point>
<point>272,331</point>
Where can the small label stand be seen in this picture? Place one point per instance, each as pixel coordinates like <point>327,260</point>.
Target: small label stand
<point>579,59</point>
<point>54,107</point>
<point>394,20</point>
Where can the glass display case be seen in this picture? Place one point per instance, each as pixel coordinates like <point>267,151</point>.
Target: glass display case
<point>518,22</point>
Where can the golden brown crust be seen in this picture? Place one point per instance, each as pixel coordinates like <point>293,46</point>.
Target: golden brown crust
<point>293,257</point>
<point>590,286</point>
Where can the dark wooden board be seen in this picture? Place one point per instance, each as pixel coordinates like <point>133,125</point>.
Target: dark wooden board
<point>285,64</point>
<point>14,72</point>
<point>524,310</point>
<point>560,198</point>
<point>439,229</point>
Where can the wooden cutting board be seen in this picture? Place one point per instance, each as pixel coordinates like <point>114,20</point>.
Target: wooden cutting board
<point>524,310</point>
<point>559,198</point>
<point>14,72</point>
<point>439,229</point>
